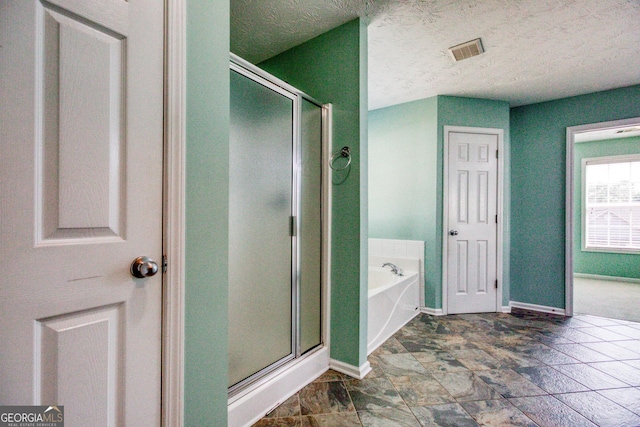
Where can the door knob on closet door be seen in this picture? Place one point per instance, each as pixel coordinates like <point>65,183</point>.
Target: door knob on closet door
<point>453,232</point>
<point>142,267</point>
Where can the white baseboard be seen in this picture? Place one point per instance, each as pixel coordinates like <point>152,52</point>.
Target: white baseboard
<point>608,278</point>
<point>247,409</point>
<point>538,308</point>
<point>353,371</point>
<point>440,312</point>
<point>432,311</point>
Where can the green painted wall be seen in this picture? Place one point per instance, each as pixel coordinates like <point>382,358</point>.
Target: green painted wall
<point>403,177</point>
<point>363,143</point>
<point>600,263</point>
<point>205,368</point>
<point>403,148</point>
<point>538,163</point>
<point>457,111</point>
<point>332,68</point>
<point>406,166</point>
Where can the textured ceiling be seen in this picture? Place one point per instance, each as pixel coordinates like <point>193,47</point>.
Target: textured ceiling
<point>535,50</point>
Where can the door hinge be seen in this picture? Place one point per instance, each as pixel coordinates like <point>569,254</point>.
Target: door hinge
<point>165,263</point>
<point>292,226</point>
<point>496,283</point>
<point>497,154</point>
<point>496,219</point>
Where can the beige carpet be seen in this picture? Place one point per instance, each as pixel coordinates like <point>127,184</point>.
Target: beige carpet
<point>605,298</point>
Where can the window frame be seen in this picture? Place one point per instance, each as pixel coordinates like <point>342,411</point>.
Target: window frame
<point>626,158</point>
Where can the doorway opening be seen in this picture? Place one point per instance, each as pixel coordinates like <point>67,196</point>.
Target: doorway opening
<point>603,220</point>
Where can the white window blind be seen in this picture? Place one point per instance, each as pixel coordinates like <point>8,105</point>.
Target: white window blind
<point>612,204</point>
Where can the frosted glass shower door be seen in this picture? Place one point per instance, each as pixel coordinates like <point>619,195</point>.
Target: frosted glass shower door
<point>260,242</point>
<point>310,233</point>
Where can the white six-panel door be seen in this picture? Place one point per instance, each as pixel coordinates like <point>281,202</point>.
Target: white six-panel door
<point>81,185</point>
<point>471,232</point>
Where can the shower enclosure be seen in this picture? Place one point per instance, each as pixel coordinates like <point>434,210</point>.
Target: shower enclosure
<point>275,224</point>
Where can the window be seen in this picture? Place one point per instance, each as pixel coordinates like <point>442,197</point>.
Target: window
<point>611,203</point>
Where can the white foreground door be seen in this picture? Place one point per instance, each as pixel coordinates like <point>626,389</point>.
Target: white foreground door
<point>81,186</point>
<point>472,222</point>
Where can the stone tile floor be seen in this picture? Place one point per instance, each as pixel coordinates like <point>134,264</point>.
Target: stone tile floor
<point>519,369</point>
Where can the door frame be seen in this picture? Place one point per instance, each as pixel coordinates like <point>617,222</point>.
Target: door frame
<point>174,228</point>
<point>572,133</point>
<point>445,209</point>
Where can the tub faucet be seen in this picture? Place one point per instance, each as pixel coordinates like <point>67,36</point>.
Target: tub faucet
<point>394,268</point>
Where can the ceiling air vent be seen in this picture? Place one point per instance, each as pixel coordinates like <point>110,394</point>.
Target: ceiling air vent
<point>466,50</point>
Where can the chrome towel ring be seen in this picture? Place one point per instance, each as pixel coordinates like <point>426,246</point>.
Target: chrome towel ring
<point>345,152</point>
